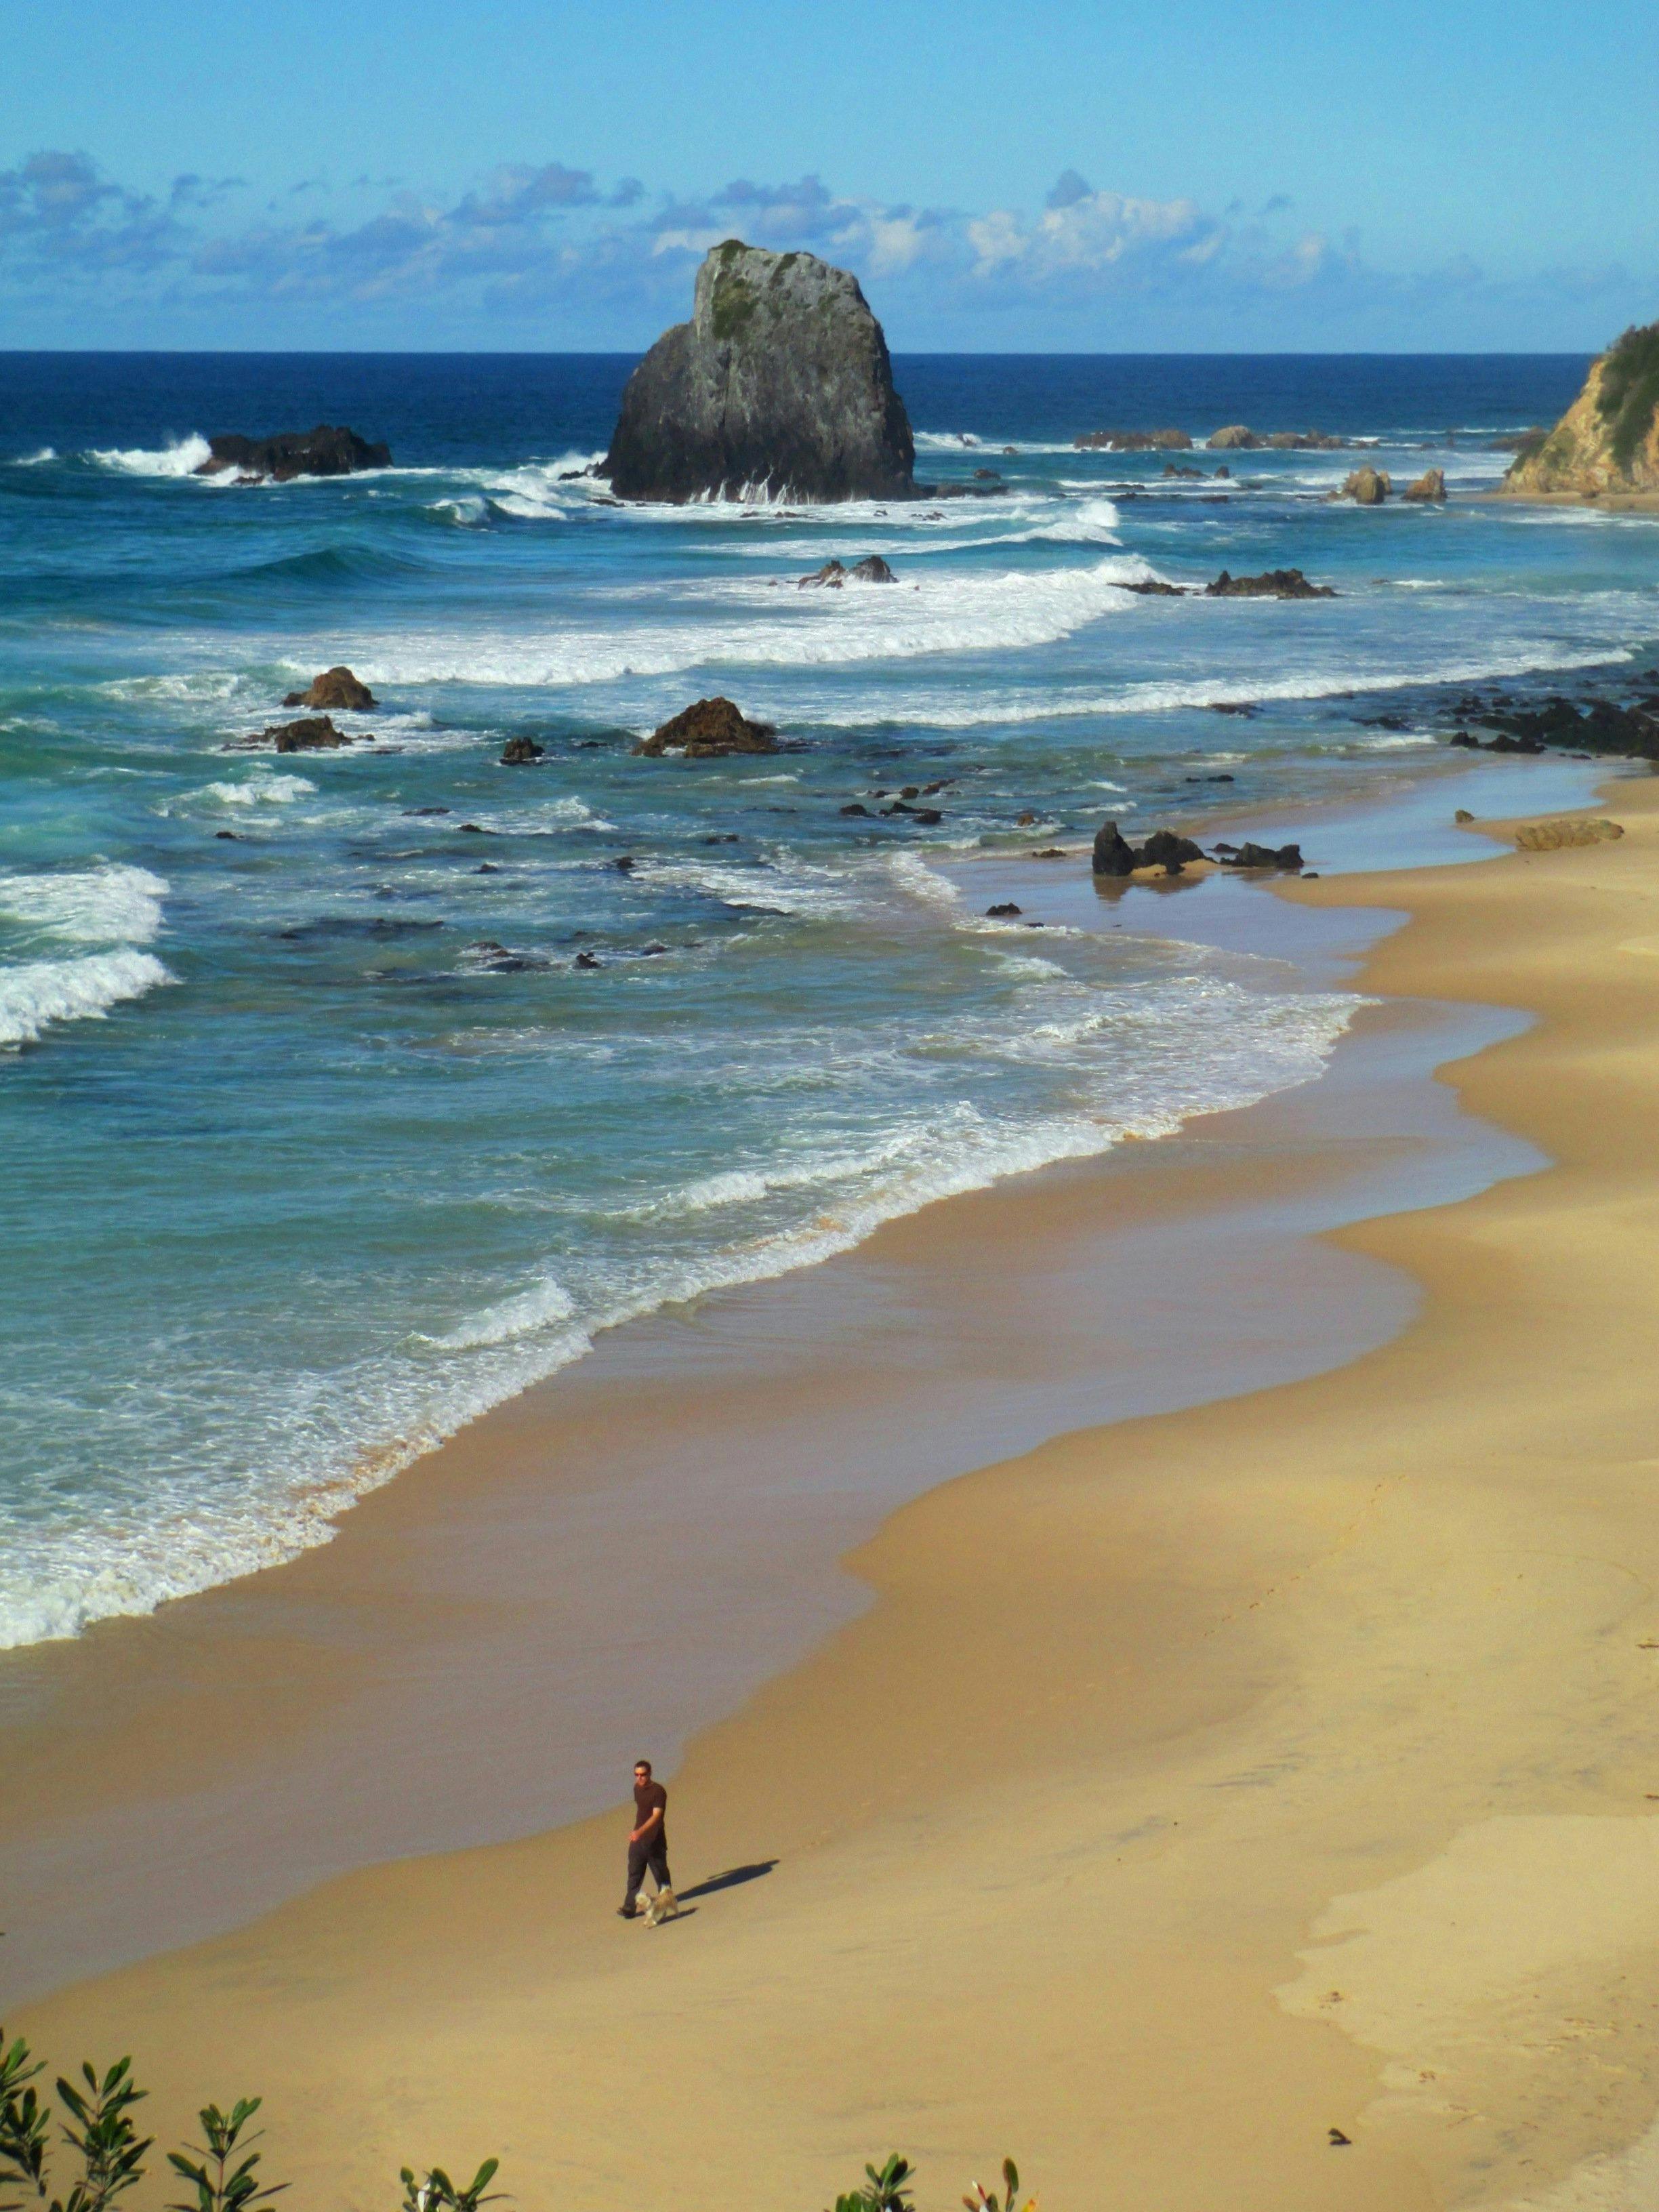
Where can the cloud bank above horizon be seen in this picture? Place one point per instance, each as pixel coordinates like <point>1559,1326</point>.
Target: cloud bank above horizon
<point>543,256</point>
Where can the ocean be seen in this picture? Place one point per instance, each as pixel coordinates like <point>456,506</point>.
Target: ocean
<point>322,1136</point>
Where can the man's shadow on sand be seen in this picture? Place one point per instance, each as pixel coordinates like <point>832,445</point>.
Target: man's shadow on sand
<point>733,1878</point>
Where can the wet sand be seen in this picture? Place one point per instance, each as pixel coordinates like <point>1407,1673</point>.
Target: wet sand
<point>1191,1786</point>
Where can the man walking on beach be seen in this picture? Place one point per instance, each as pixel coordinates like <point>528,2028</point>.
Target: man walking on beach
<point>647,1844</point>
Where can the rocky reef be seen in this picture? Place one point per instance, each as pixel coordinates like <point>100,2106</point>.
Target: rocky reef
<point>1239,438</point>
<point>325,452</point>
<point>313,734</point>
<point>706,730</point>
<point>781,378</point>
<point>1609,438</point>
<point>1133,441</point>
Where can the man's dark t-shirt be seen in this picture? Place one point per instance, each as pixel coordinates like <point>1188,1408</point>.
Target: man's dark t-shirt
<point>650,1798</point>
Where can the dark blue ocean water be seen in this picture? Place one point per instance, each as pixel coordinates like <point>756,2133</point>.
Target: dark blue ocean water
<point>322,1135</point>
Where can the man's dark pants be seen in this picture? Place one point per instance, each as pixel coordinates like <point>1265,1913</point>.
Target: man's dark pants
<point>651,1852</point>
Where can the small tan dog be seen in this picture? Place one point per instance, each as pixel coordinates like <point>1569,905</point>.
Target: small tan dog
<point>665,1905</point>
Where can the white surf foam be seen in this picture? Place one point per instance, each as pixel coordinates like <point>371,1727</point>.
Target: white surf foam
<point>182,459</point>
<point>988,708</point>
<point>110,905</point>
<point>40,992</point>
<point>264,789</point>
<point>998,612</point>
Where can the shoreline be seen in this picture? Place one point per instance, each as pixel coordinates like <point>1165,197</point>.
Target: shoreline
<point>1350,1671</point>
<point>684,1438</point>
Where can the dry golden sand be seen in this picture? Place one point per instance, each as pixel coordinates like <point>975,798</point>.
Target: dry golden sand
<point>1194,1786</point>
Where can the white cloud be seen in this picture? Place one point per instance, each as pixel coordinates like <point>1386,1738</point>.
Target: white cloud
<point>541,252</point>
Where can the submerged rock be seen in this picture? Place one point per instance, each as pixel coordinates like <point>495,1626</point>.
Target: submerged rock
<point>311,734</point>
<point>325,452</point>
<point>1431,486</point>
<point>706,729</point>
<point>519,752</point>
<point>1609,438</point>
<point>1271,584</point>
<point>336,688</point>
<point>781,377</point>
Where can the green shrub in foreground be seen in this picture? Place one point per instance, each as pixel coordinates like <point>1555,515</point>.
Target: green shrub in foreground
<point>96,2124</point>
<point>221,2171</point>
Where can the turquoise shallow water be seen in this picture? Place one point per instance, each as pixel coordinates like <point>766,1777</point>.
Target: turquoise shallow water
<point>300,1173</point>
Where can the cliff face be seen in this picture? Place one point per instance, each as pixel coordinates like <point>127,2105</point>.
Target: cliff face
<point>1609,438</point>
<point>780,378</point>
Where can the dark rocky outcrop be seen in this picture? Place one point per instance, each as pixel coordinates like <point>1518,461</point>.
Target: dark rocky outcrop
<point>1260,856</point>
<point>1431,486</point>
<point>1133,441</point>
<point>1113,855</point>
<point>336,689</point>
<point>873,569</point>
<point>1004,910</point>
<point>781,378</point>
<point>1608,728</point>
<point>1271,584</point>
<point>311,734</point>
<point>519,752</point>
<point>325,452</point>
<point>708,729</point>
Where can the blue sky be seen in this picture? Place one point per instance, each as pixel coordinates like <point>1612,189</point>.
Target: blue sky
<point>1181,176</point>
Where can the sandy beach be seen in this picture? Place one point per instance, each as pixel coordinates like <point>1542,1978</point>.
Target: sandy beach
<point>1190,1787</point>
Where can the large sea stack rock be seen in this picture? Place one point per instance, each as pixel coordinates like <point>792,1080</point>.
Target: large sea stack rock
<point>324,452</point>
<point>1609,438</point>
<point>780,380</point>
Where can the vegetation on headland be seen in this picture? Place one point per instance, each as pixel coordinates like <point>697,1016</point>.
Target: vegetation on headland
<point>1629,395</point>
<point>1608,441</point>
<point>107,2155</point>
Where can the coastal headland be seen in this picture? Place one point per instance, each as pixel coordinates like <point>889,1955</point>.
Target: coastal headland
<point>1192,1787</point>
